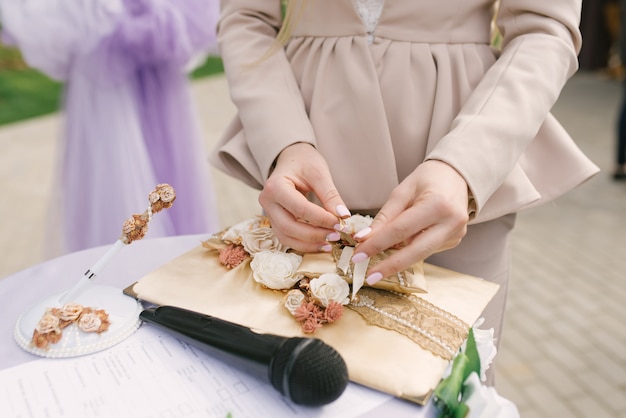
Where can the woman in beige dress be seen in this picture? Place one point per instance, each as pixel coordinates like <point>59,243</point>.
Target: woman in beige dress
<point>403,109</point>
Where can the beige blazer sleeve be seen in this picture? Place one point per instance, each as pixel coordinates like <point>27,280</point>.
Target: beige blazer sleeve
<point>504,113</point>
<point>270,107</point>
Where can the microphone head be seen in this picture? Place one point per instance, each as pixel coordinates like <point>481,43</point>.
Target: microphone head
<point>308,371</point>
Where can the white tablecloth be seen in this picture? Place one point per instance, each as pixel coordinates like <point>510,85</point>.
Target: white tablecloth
<point>24,289</point>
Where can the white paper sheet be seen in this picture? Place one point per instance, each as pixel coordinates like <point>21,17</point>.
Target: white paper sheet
<point>156,375</point>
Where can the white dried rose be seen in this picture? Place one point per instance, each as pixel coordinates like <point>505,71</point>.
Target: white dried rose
<point>260,239</point>
<point>48,323</point>
<point>485,344</point>
<point>293,300</point>
<point>89,322</point>
<point>355,223</point>
<point>235,232</point>
<point>330,287</point>
<point>70,311</point>
<point>275,270</point>
<point>485,402</point>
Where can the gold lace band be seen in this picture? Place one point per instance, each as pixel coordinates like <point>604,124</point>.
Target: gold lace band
<point>432,328</point>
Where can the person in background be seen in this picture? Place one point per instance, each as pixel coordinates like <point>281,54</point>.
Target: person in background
<point>619,173</point>
<point>402,110</point>
<point>129,119</point>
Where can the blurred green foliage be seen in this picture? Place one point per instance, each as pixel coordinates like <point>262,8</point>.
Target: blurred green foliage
<point>26,93</point>
<point>213,65</point>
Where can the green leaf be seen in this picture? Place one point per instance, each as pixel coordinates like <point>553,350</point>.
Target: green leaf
<point>447,393</point>
<point>471,351</point>
<point>461,411</point>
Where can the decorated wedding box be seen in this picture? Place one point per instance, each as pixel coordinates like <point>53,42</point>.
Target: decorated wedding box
<point>397,336</point>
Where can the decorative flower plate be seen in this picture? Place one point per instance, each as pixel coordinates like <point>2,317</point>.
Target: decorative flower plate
<point>122,314</point>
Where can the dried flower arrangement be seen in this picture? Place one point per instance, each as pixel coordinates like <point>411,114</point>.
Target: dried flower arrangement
<point>49,329</point>
<point>136,227</point>
<point>50,326</point>
<point>313,300</point>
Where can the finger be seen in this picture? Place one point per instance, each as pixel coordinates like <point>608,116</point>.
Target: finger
<point>284,193</point>
<point>303,246</point>
<point>402,259</point>
<point>297,234</point>
<point>398,202</point>
<point>324,189</point>
<point>423,245</point>
<point>308,172</point>
<point>396,231</point>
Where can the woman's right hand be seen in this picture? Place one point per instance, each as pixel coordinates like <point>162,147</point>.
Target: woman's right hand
<point>297,222</point>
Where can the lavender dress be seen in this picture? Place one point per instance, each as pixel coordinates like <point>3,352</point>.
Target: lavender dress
<point>130,122</point>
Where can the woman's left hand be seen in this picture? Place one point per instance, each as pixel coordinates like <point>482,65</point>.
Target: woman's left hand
<point>425,214</point>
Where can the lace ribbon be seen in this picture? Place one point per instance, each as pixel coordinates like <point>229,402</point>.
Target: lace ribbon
<point>356,271</point>
<point>430,327</point>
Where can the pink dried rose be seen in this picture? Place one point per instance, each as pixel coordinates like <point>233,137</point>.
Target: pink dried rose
<point>307,310</point>
<point>317,312</point>
<point>333,312</point>
<point>232,255</point>
<point>310,325</point>
<point>302,312</point>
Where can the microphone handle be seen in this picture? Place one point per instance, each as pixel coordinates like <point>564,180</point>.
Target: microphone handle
<point>226,336</point>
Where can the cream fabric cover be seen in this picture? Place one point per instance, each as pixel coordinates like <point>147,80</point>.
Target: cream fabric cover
<point>378,358</point>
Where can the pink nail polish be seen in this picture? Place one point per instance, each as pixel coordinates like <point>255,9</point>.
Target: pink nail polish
<point>374,278</point>
<point>358,257</point>
<point>326,248</point>
<point>342,211</point>
<point>363,232</point>
<point>333,236</point>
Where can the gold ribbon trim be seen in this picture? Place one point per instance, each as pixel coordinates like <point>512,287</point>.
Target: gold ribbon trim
<point>432,328</point>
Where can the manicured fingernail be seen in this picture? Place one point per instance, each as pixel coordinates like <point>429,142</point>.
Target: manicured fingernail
<point>358,257</point>
<point>333,236</point>
<point>374,278</point>
<point>342,211</point>
<point>341,228</point>
<point>326,248</point>
<point>363,232</point>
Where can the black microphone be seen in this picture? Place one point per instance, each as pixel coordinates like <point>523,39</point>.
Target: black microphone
<point>305,370</point>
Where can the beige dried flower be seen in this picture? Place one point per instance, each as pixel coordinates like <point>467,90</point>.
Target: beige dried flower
<point>134,228</point>
<point>93,320</point>
<point>162,197</point>
<point>48,323</point>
